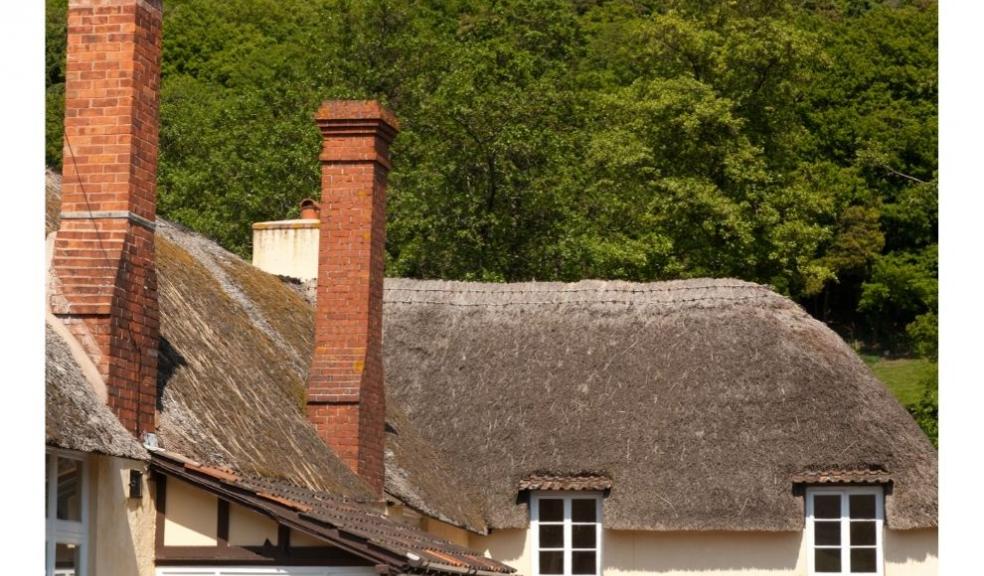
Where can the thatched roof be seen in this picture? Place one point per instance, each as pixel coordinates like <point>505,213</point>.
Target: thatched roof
<point>699,399</point>
<point>75,418</point>
<point>235,349</point>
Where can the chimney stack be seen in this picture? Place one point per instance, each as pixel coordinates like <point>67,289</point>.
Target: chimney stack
<point>104,286</point>
<point>345,396</point>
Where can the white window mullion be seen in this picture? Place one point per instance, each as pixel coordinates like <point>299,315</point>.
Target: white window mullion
<point>845,526</point>
<point>598,535</point>
<point>52,497</point>
<point>568,538</point>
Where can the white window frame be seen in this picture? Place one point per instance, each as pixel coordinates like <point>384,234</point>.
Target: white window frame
<point>845,493</point>
<point>66,531</point>
<point>567,497</point>
<point>265,571</point>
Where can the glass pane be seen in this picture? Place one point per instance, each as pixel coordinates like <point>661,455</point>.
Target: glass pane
<point>584,535</point>
<point>551,562</point>
<point>551,510</point>
<point>862,533</point>
<point>862,505</point>
<point>69,489</point>
<point>828,559</point>
<point>827,533</point>
<point>862,560</point>
<point>47,474</point>
<point>827,506</point>
<point>551,536</point>
<point>584,510</point>
<point>584,562</point>
<point>66,559</point>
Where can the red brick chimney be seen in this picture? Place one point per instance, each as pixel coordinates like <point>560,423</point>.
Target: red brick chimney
<point>104,286</point>
<point>345,398</point>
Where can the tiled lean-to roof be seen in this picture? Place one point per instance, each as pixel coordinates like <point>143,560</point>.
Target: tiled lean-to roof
<point>354,526</point>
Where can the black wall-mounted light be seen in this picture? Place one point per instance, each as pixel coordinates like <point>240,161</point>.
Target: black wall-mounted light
<point>136,483</point>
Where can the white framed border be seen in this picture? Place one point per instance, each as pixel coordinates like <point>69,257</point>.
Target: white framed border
<point>845,525</point>
<point>265,571</point>
<point>567,496</point>
<point>65,531</point>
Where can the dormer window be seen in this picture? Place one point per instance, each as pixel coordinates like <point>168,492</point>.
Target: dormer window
<point>566,533</point>
<point>844,529</point>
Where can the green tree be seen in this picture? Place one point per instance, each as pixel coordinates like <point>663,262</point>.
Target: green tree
<point>789,143</point>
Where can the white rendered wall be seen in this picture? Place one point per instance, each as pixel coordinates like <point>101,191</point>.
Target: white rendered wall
<point>641,553</point>
<point>121,529</point>
<point>287,248</point>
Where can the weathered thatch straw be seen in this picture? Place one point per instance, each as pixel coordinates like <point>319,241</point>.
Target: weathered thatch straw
<point>235,344</point>
<point>229,394</point>
<point>75,418</point>
<point>700,399</point>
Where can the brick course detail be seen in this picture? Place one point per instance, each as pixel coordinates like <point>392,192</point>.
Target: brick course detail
<point>104,285</point>
<point>346,400</point>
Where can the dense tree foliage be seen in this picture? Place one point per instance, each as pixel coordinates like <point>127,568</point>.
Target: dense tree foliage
<point>787,142</point>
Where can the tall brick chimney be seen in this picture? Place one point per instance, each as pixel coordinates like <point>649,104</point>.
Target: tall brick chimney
<point>104,286</point>
<point>345,398</point>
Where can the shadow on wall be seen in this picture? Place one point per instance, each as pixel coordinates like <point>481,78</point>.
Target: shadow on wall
<point>507,546</point>
<point>910,546</point>
<point>121,528</point>
<point>638,552</point>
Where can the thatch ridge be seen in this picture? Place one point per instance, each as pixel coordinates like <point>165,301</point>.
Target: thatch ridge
<point>75,418</point>
<point>700,399</point>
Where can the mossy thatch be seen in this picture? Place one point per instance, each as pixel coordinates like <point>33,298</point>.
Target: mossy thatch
<point>229,391</point>
<point>235,349</point>
<point>75,418</point>
<point>699,399</point>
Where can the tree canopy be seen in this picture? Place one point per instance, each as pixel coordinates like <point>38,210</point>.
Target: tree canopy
<point>787,142</point>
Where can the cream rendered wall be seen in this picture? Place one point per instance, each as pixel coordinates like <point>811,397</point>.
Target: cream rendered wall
<point>639,553</point>
<point>287,247</point>
<point>248,528</point>
<point>911,552</point>
<point>121,529</point>
<point>446,531</point>
<point>190,516</point>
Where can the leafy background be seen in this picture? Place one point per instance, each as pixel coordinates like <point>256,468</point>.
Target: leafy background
<point>792,143</point>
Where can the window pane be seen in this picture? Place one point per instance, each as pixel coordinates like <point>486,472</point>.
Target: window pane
<point>584,562</point>
<point>584,535</point>
<point>47,474</point>
<point>66,559</point>
<point>862,560</point>
<point>862,533</point>
<point>584,510</point>
<point>828,559</point>
<point>551,562</point>
<point>551,510</point>
<point>827,533</point>
<point>862,506</point>
<point>827,506</point>
<point>551,536</point>
<point>69,489</point>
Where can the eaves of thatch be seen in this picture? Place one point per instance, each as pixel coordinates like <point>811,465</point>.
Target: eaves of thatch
<point>701,400</point>
<point>75,417</point>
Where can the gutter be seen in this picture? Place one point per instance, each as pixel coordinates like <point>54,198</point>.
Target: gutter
<point>426,566</point>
